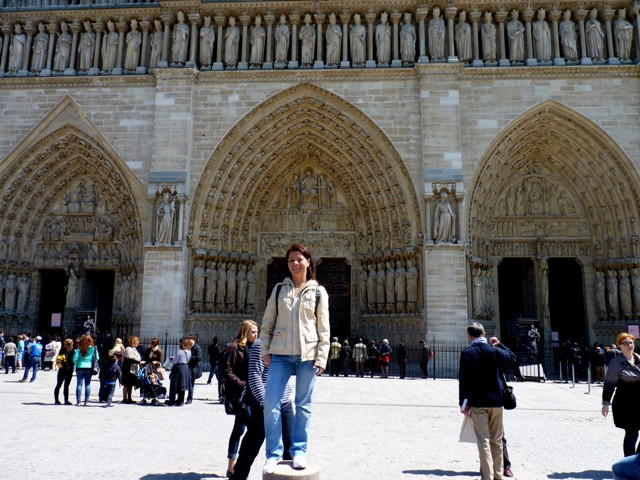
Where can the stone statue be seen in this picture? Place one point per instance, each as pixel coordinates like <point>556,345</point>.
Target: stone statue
<point>357,41</point>
<point>390,287</point>
<point>595,36</point>
<point>211,278</point>
<point>166,215</point>
<point>231,287</point>
<point>308,190</point>
<point>282,42</point>
<point>251,289</point>
<point>321,185</point>
<point>110,48</point>
<point>383,40</point>
<point>412,286</point>
<point>612,293</point>
<point>362,288</point>
<point>478,294</point>
<point>241,282</point>
<point>131,294</point>
<point>10,292</point>
<point>436,36</point>
<point>489,297</point>
<point>87,47</point>
<point>40,50</point>
<point>463,38</point>
<point>23,285</point>
<point>407,41</point>
<point>371,288</point>
<point>334,36</point>
<point>635,282</point>
<point>180,41</point>
<point>401,287</point>
<point>601,304</point>
<point>222,286</point>
<point>16,50</point>
<point>207,39</point>
<point>625,295</point>
<point>257,43</point>
<point>544,281</point>
<point>308,38</point>
<point>515,34</point>
<point>157,39</point>
<point>198,286</point>
<point>232,37</point>
<point>444,220</point>
<point>2,283</point>
<point>380,287</point>
<point>488,34</point>
<point>133,41</point>
<point>623,31</point>
<point>72,289</point>
<point>542,38</point>
<point>568,39</point>
<point>63,49</point>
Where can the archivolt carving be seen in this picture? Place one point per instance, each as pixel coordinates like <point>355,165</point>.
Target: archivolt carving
<point>299,129</point>
<point>553,174</point>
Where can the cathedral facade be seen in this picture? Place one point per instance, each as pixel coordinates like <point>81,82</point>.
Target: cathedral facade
<point>444,163</point>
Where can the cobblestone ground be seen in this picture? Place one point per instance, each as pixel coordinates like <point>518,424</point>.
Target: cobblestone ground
<point>362,428</point>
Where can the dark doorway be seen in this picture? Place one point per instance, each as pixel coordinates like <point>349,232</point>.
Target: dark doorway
<point>335,275</point>
<point>517,286</point>
<point>52,298</point>
<point>97,294</point>
<point>566,301</point>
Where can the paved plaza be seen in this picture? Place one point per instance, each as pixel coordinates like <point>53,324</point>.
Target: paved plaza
<point>362,428</point>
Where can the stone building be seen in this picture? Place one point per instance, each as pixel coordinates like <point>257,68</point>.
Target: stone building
<point>443,162</point>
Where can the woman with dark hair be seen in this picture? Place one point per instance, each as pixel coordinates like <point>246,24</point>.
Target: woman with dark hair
<point>130,367</point>
<point>623,377</point>
<point>295,336</point>
<point>64,361</point>
<point>84,358</point>
<point>384,358</point>
<point>402,359</point>
<point>180,375</point>
<point>153,354</point>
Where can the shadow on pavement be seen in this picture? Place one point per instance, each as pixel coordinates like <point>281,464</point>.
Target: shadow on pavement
<point>440,473</point>
<point>180,476</point>
<point>586,474</point>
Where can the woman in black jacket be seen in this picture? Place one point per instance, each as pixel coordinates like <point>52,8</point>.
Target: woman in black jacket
<point>64,361</point>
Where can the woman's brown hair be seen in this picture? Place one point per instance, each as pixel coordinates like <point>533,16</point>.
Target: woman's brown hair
<point>296,247</point>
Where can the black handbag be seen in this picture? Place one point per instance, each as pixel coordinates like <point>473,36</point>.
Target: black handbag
<point>508,397</point>
<point>235,406</point>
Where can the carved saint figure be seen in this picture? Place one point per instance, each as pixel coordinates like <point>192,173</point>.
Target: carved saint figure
<point>207,39</point>
<point>334,36</point>
<point>257,43</point>
<point>23,284</point>
<point>463,38</point>
<point>625,295</point>
<point>568,39</point>
<point>231,287</point>
<point>241,282</point>
<point>390,287</point>
<point>542,38</point>
<point>600,289</point>
<point>251,289</point>
<point>383,40</point>
<point>222,286</point>
<point>436,36</point>
<point>308,190</point>
<point>635,282</point>
<point>595,36</point>
<point>87,47</point>
<point>40,50</point>
<point>380,287</point>
<point>16,50</point>
<point>488,33</point>
<point>2,283</point>
<point>371,288</point>
<point>166,214</point>
<point>109,48</point>
<point>401,286</point>
<point>515,33</point>
<point>407,41</point>
<point>133,41</point>
<point>308,38</point>
<point>211,280</point>
<point>10,289</point>
<point>232,37</point>
<point>282,42</point>
<point>623,31</point>
<point>72,289</point>
<point>63,49</point>
<point>198,286</point>
<point>612,293</point>
<point>180,41</point>
<point>412,286</point>
<point>444,220</point>
<point>478,294</point>
<point>157,39</point>
<point>357,37</point>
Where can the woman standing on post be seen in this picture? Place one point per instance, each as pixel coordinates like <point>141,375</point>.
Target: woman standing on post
<point>295,336</point>
<point>623,376</point>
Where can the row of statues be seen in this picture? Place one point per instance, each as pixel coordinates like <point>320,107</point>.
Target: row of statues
<point>617,293</point>
<point>14,291</point>
<point>223,286</point>
<point>121,47</point>
<point>307,190</point>
<point>124,297</point>
<point>54,254</point>
<point>388,286</point>
<point>10,4</point>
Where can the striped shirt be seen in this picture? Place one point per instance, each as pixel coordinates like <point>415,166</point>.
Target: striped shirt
<point>258,372</point>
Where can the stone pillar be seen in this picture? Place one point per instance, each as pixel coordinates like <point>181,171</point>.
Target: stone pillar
<point>528,16</point>
<point>421,15</point>
<point>345,18</point>
<point>122,29</point>
<point>245,20</point>
<point>608,15</point>
<point>395,20</point>
<point>6,35</point>
<point>75,30</point>
<point>145,25</point>
<point>269,19</point>
<point>219,63</point>
<point>167,19</point>
<point>555,16</point>
<point>29,29</point>
<point>294,18</point>
<point>475,18</point>
<point>98,27</point>
<point>52,28</point>
<point>194,19</point>
<point>501,17</point>
<point>319,18</point>
<point>635,11</point>
<point>581,14</point>
<point>450,15</point>
<point>370,18</point>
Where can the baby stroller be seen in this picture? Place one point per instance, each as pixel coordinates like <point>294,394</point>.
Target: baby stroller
<point>151,387</point>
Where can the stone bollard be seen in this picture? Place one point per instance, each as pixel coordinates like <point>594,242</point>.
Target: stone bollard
<point>285,471</point>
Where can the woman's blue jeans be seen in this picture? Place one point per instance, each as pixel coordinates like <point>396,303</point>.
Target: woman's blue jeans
<point>83,375</point>
<point>627,468</point>
<point>234,439</point>
<point>280,371</point>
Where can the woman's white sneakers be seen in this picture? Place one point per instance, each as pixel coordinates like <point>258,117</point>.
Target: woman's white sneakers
<point>270,465</point>
<point>299,462</point>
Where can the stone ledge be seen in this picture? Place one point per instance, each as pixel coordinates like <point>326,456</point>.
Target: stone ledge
<point>285,471</point>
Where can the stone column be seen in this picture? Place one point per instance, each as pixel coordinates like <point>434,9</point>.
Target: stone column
<point>75,30</point>
<point>29,29</point>
<point>395,20</point>
<point>167,19</point>
<point>294,18</point>
<point>475,18</point>
<point>501,17</point>
<point>52,28</point>
<point>635,11</point>
<point>219,63</point>
<point>608,15</point>
<point>528,16</point>
<point>122,29</point>
<point>450,15</point>
<point>581,14</point>
<point>345,18</point>
<point>194,19</point>
<point>245,20</point>
<point>269,19</point>
<point>421,15</point>
<point>145,25</point>
<point>555,16</point>
<point>6,35</point>
<point>98,27</point>
<point>319,18</point>
<point>370,18</point>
